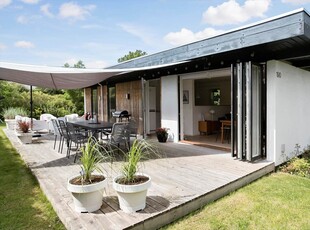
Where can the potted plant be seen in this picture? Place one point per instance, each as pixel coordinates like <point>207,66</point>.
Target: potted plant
<point>131,186</point>
<point>87,187</point>
<point>23,132</point>
<point>9,116</point>
<point>162,134</point>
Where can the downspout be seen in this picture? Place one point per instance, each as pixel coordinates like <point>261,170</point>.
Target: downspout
<point>85,101</point>
<point>31,107</point>
<point>143,107</point>
<point>101,101</point>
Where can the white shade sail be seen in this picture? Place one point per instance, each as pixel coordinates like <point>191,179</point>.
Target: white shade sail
<point>54,77</point>
<point>61,77</point>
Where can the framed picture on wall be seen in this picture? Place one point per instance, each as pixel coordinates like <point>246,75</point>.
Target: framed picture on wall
<point>185,97</point>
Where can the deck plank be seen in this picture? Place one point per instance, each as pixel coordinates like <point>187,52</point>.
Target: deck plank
<point>184,180</point>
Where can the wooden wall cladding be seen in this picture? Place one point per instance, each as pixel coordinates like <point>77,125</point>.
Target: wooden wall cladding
<point>133,104</point>
<point>87,100</point>
<point>104,102</point>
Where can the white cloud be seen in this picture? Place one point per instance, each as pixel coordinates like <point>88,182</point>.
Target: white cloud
<point>90,64</point>
<point>186,36</point>
<point>45,9</point>
<point>2,47</point>
<point>22,19</point>
<point>98,64</point>
<point>25,19</point>
<point>4,3</point>
<point>137,32</point>
<point>75,12</point>
<point>30,1</point>
<point>231,12</point>
<point>24,44</point>
<point>92,26</point>
<point>296,2</point>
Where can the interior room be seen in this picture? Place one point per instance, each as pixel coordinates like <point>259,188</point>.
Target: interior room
<point>206,109</point>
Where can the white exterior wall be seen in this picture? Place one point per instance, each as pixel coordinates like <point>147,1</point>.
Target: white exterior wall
<point>288,92</point>
<point>169,106</point>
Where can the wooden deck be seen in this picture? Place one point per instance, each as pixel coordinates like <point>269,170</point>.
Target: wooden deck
<point>186,179</point>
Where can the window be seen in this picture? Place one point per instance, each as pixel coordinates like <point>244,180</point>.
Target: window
<point>111,100</point>
<point>94,101</point>
<point>216,96</point>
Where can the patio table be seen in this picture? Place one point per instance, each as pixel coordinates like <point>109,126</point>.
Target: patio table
<point>93,127</point>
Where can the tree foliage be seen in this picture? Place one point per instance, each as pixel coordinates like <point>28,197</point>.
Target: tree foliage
<point>76,95</point>
<point>132,55</point>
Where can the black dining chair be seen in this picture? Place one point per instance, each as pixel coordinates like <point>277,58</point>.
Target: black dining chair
<point>56,132</point>
<point>133,128</point>
<point>64,134</point>
<point>119,135</point>
<point>77,137</point>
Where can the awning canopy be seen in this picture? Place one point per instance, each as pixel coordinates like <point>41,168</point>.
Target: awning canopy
<point>61,77</point>
<point>54,77</point>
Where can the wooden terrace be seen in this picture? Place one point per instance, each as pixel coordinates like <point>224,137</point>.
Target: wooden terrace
<point>185,180</point>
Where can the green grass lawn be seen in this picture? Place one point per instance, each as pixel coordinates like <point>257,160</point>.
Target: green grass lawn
<point>22,203</point>
<point>278,201</point>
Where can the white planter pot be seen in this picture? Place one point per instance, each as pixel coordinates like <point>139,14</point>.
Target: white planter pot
<point>25,138</point>
<point>87,198</point>
<point>132,198</point>
<point>10,123</point>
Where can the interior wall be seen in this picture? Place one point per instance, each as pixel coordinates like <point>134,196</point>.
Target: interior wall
<point>192,113</point>
<point>288,90</point>
<point>156,84</point>
<point>169,106</point>
<point>188,113</point>
<point>203,88</point>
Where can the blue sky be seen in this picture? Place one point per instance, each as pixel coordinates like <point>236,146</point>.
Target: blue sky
<point>53,32</point>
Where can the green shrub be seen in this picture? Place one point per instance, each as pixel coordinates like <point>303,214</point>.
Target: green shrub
<point>299,165</point>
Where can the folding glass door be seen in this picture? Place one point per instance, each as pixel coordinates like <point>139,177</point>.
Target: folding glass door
<point>248,97</point>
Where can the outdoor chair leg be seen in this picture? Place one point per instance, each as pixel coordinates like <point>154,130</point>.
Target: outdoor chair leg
<point>69,148</point>
<point>62,144</point>
<point>55,140</point>
<point>60,141</point>
<point>77,151</point>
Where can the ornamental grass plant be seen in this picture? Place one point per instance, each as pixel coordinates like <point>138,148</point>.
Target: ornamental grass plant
<point>139,151</point>
<point>23,126</point>
<point>92,156</point>
<point>11,112</point>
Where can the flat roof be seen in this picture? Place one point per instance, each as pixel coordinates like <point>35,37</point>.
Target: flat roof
<point>283,31</point>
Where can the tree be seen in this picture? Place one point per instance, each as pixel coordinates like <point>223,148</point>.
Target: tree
<point>76,95</point>
<point>79,65</point>
<point>132,55</point>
